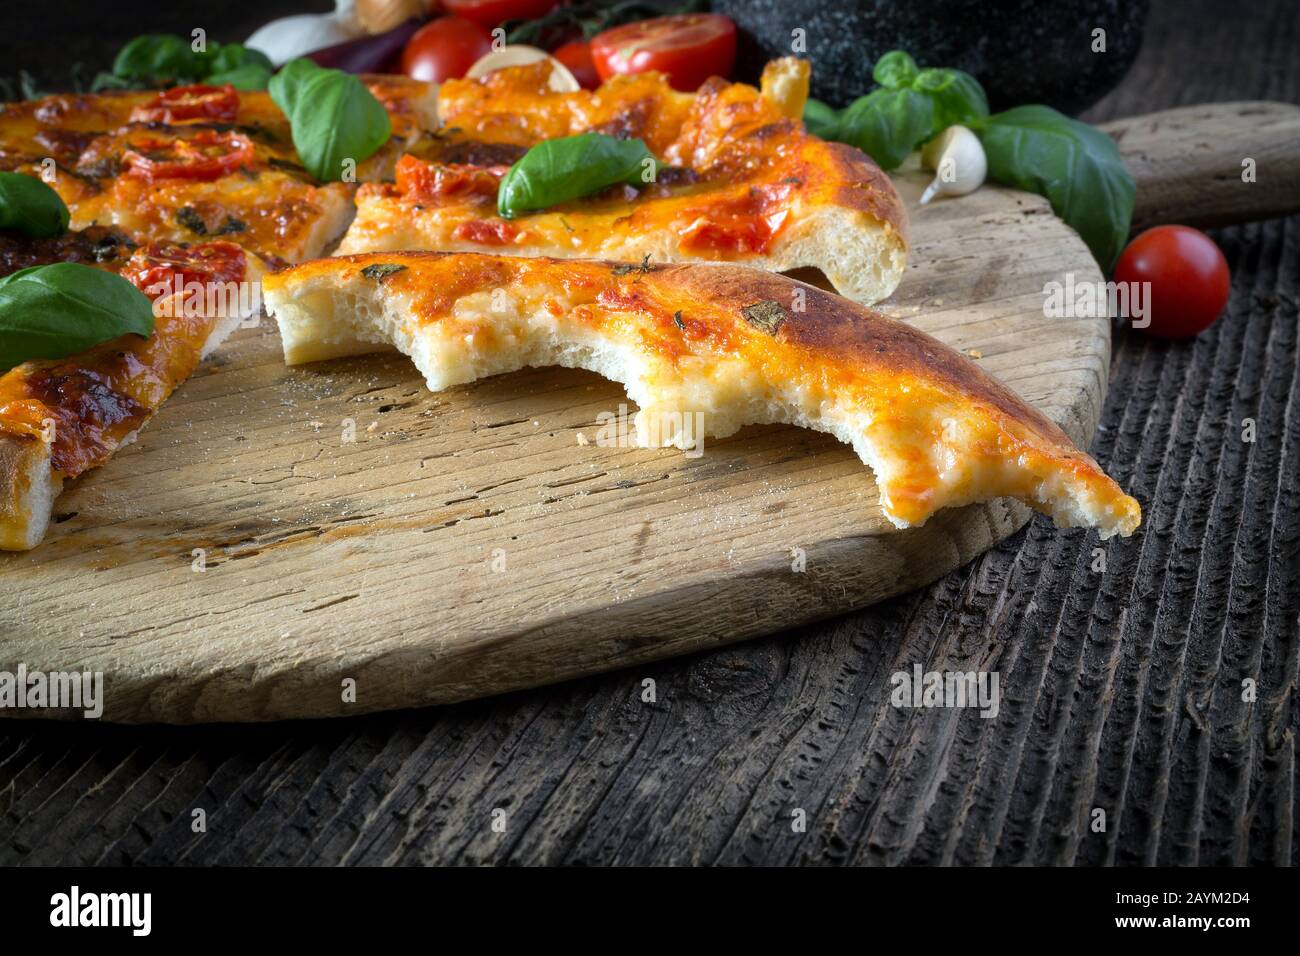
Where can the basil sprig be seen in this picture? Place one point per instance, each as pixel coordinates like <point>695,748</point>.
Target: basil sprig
<point>1075,166</point>
<point>29,206</point>
<point>160,59</point>
<point>332,115</point>
<point>559,170</point>
<point>909,107</point>
<point>48,312</point>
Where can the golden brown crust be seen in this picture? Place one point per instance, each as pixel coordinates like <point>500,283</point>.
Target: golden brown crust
<point>736,344</point>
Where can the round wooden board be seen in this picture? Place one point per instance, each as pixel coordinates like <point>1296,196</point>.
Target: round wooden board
<point>466,543</point>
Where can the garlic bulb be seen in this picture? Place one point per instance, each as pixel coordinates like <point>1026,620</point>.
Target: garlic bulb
<point>958,159</point>
<point>304,33</point>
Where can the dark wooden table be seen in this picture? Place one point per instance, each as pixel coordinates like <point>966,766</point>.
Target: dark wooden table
<point>1122,691</point>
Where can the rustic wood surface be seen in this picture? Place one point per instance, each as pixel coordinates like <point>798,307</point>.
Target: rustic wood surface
<point>348,524</point>
<point>1121,690</point>
<point>1201,165</point>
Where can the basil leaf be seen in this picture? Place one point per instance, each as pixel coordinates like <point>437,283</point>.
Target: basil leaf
<point>558,170</point>
<point>48,312</point>
<point>958,97</point>
<point>157,56</point>
<point>287,83</point>
<point>332,115</point>
<point>895,70</point>
<point>887,124</point>
<point>820,119</point>
<point>31,207</point>
<point>910,107</point>
<point>232,56</point>
<point>1078,168</point>
<point>248,77</point>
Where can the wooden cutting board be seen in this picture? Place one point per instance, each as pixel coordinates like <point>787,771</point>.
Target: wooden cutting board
<point>279,533</point>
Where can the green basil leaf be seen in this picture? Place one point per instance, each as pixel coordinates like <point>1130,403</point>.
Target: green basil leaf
<point>958,97</point>
<point>559,170</point>
<point>820,119</point>
<point>895,70</point>
<point>1077,167</point>
<point>887,124</point>
<point>332,115</point>
<point>158,56</point>
<point>31,207</point>
<point>287,83</point>
<point>248,77</point>
<point>48,312</point>
<point>232,56</point>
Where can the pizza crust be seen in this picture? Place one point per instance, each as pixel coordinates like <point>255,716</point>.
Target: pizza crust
<point>723,342</point>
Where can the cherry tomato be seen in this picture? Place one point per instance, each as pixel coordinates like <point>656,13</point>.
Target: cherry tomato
<point>1188,276</point>
<point>489,13</point>
<point>445,49</point>
<point>576,55</point>
<point>216,103</point>
<point>205,156</point>
<point>156,266</point>
<point>689,48</point>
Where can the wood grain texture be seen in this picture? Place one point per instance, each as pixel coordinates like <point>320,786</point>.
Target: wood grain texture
<point>1212,164</point>
<point>1123,689</point>
<point>466,543</point>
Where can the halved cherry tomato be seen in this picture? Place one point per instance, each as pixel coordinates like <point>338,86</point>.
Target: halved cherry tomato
<point>689,48</point>
<point>216,103</point>
<point>1189,279</point>
<point>206,155</point>
<point>445,49</point>
<point>419,181</point>
<point>154,269</point>
<point>576,55</point>
<point>489,13</point>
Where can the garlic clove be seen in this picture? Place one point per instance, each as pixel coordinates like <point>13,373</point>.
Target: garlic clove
<point>957,157</point>
<point>518,54</point>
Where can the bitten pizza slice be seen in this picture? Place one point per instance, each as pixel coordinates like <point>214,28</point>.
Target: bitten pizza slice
<point>62,417</point>
<point>738,345</point>
<point>738,179</point>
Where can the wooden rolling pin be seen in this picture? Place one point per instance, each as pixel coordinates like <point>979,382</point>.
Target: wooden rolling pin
<point>1188,162</point>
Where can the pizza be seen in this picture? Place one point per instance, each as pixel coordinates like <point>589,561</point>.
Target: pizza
<point>62,417</point>
<point>739,180</point>
<point>198,163</point>
<point>735,345</point>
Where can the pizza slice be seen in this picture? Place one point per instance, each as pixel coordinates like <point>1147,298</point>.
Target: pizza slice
<point>196,163</point>
<point>735,345</point>
<point>62,417</point>
<point>739,179</point>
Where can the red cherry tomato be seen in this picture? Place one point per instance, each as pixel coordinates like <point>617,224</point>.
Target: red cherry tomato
<point>205,156</point>
<point>156,266</point>
<point>1188,276</point>
<point>576,55</point>
<point>489,13</point>
<point>217,103</point>
<point>445,49</point>
<point>689,48</point>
